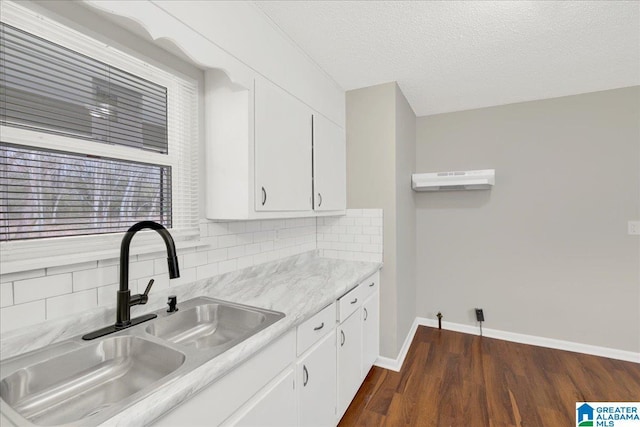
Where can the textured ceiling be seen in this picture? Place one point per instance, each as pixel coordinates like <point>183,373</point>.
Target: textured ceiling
<point>458,55</point>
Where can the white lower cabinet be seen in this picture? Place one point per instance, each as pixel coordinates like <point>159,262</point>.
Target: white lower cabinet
<point>370,332</point>
<point>275,406</point>
<point>316,384</point>
<point>213,405</point>
<point>308,377</point>
<point>349,343</point>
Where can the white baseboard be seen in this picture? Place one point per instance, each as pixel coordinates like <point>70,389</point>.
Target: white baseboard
<point>612,353</point>
<point>396,364</point>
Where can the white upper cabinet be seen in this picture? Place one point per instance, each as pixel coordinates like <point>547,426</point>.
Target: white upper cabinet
<point>283,127</point>
<point>329,166</point>
<point>257,113</point>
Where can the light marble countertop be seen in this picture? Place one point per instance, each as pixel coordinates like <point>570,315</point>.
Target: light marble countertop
<point>298,286</point>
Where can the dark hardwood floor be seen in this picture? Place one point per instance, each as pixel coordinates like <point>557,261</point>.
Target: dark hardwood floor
<point>462,380</point>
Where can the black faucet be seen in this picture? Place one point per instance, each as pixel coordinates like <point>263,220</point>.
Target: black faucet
<point>124,298</point>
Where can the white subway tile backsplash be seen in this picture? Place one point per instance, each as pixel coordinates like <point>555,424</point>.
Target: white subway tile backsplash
<point>32,296</point>
<point>41,287</point>
<point>71,303</point>
<point>107,295</point>
<point>274,224</point>
<point>363,221</point>
<point>227,266</point>
<point>195,259</point>
<point>21,315</point>
<point>251,249</point>
<point>244,238</point>
<point>356,236</point>
<point>371,230</point>
<point>355,229</point>
<point>252,226</point>
<point>187,275</point>
<point>362,238</point>
<point>374,213</point>
<point>217,255</point>
<point>218,229</point>
<point>160,265</point>
<point>6,294</point>
<point>151,255</point>
<point>205,271</point>
<point>141,269</point>
<point>346,238</point>
<point>266,246</point>
<point>237,227</point>
<point>236,252</point>
<point>94,278</point>
<point>227,241</point>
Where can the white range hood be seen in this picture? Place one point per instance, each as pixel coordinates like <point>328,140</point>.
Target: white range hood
<point>458,180</point>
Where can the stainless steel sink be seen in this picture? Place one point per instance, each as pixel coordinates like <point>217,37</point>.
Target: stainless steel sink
<point>212,324</point>
<point>78,384</point>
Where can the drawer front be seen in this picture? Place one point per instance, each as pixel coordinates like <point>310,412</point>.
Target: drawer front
<point>316,327</point>
<point>370,285</point>
<point>349,303</point>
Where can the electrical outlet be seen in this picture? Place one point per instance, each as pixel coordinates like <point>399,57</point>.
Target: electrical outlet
<point>479,315</point>
<point>634,228</point>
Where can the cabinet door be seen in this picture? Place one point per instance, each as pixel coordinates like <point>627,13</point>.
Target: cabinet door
<point>316,383</point>
<point>282,150</point>
<point>329,166</point>
<point>349,342</point>
<point>274,408</point>
<point>370,332</point>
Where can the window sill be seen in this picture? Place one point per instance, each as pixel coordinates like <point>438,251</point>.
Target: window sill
<point>32,255</point>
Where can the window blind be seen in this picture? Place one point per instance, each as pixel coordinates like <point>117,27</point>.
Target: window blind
<point>53,89</point>
<point>120,125</point>
<point>45,193</point>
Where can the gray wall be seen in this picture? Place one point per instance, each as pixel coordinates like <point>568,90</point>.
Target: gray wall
<point>380,157</point>
<point>546,251</point>
<point>405,217</point>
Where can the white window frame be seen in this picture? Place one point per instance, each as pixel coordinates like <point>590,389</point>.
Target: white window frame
<point>182,121</point>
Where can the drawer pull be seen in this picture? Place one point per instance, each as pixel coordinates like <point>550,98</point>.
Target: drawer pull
<point>343,338</point>
<point>305,376</point>
<point>366,314</point>
<point>354,301</point>
<point>372,284</point>
<point>317,328</point>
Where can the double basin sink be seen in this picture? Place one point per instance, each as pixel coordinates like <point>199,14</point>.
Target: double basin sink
<point>88,382</point>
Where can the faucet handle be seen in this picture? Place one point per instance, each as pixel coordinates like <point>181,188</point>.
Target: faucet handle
<point>140,299</point>
<point>149,285</point>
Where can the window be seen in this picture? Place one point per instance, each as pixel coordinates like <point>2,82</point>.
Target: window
<point>92,140</point>
<point>51,193</point>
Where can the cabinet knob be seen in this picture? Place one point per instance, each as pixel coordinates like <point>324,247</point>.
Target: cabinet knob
<point>372,284</point>
<point>319,199</point>
<point>317,328</point>
<point>264,196</point>
<point>305,375</point>
<point>366,314</point>
<point>343,338</point>
<point>354,301</point>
